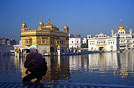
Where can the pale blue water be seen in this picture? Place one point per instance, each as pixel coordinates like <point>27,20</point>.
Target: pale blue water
<point>105,68</point>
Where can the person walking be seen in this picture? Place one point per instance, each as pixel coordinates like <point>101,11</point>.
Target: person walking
<point>35,64</point>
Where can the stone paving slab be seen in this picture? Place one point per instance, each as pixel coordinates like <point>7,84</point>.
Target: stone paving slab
<point>57,85</point>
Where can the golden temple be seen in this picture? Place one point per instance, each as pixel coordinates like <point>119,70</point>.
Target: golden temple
<point>47,38</point>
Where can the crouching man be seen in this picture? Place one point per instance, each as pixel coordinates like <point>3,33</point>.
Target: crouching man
<point>35,64</point>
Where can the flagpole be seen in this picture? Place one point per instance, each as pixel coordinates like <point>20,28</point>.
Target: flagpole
<point>29,24</point>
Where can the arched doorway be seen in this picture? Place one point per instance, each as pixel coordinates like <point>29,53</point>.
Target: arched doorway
<point>101,48</point>
<point>52,50</point>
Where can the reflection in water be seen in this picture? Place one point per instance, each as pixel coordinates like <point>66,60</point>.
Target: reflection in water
<point>104,68</point>
<point>75,62</point>
<point>10,68</point>
<point>110,68</point>
<point>127,64</point>
<point>58,69</point>
<point>103,62</point>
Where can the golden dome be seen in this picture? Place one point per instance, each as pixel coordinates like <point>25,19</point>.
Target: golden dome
<point>130,30</point>
<point>23,24</point>
<point>58,27</point>
<point>41,22</point>
<point>121,28</point>
<point>112,30</point>
<point>65,27</point>
<point>49,25</point>
<point>41,25</point>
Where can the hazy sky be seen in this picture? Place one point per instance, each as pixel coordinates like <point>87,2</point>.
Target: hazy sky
<point>82,16</point>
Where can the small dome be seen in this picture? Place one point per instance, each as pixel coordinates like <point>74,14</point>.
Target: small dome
<point>23,22</point>
<point>49,24</point>
<point>112,30</point>
<point>130,29</point>
<point>65,27</point>
<point>23,25</point>
<point>121,28</point>
<point>41,22</point>
<point>58,27</point>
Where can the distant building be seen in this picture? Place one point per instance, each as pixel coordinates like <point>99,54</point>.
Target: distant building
<point>84,44</point>
<point>47,38</point>
<point>13,42</point>
<point>6,41</point>
<point>84,40</point>
<point>103,42</point>
<point>6,45</point>
<point>74,42</point>
<point>5,49</point>
<point>126,39</point>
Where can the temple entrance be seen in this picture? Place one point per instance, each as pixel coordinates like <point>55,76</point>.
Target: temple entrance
<point>101,48</point>
<point>52,49</point>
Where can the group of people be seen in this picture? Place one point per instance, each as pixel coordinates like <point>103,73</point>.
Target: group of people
<point>35,64</point>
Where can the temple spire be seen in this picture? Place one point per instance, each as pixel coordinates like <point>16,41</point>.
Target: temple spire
<point>23,22</point>
<point>112,31</point>
<point>120,21</point>
<point>29,24</point>
<point>48,21</point>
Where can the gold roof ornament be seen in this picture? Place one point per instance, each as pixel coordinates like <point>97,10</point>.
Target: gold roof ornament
<point>48,21</point>
<point>23,25</point>
<point>23,22</point>
<point>65,27</point>
<point>41,22</point>
<point>41,25</point>
<point>49,25</point>
<point>130,30</point>
<point>121,27</point>
<point>58,27</point>
<point>112,30</point>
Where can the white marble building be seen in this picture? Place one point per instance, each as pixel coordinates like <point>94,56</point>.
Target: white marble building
<point>126,39</point>
<point>74,42</point>
<point>103,42</point>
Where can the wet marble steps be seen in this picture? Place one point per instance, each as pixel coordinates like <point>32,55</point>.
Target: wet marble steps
<point>57,85</point>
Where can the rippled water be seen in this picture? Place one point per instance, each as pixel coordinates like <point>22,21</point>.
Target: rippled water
<point>105,68</point>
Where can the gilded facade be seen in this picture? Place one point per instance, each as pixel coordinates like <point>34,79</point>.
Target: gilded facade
<point>47,38</point>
